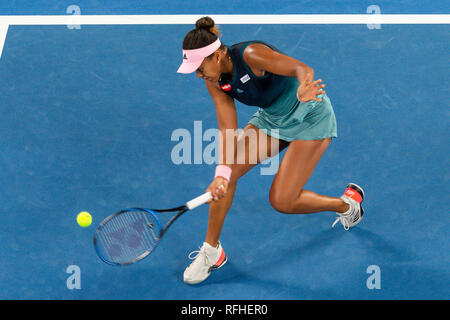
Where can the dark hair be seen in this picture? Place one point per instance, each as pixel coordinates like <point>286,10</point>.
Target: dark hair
<point>205,33</point>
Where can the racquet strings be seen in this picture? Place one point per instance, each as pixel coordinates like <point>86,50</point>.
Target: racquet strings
<point>127,236</point>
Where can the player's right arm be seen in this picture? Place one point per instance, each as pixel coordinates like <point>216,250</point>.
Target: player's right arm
<point>227,123</point>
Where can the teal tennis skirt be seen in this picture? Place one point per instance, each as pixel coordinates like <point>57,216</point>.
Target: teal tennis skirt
<point>289,119</point>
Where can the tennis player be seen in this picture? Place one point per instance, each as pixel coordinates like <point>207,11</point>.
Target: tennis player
<point>294,113</point>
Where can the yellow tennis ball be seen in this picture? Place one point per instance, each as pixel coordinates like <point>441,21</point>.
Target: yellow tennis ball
<point>84,219</point>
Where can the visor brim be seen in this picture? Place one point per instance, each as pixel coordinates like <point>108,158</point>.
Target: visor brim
<point>189,67</point>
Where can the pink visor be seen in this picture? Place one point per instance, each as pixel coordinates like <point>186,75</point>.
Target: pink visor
<point>192,59</point>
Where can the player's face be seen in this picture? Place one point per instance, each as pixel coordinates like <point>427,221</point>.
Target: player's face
<point>210,69</point>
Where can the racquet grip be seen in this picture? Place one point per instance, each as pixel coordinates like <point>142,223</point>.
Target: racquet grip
<point>194,203</point>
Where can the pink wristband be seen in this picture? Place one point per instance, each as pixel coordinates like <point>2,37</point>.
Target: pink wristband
<point>223,171</point>
<point>298,98</point>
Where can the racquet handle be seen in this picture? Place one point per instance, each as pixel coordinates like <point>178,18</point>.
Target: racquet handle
<point>194,203</point>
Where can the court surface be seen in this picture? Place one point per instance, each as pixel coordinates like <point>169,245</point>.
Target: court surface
<point>86,119</point>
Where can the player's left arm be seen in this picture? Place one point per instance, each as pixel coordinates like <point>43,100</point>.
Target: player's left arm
<point>260,57</point>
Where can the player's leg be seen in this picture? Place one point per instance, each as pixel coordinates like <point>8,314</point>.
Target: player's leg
<point>287,194</point>
<point>257,147</point>
<point>253,147</point>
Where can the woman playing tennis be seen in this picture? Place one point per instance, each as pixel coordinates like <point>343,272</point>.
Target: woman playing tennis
<point>294,113</point>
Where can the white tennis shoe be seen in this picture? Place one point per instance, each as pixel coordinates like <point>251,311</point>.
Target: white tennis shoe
<point>354,196</point>
<point>206,259</point>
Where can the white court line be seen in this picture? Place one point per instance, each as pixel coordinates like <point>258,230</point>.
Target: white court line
<point>230,19</point>
<point>3,32</point>
<point>5,21</point>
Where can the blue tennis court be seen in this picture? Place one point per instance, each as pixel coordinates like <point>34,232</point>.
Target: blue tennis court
<point>86,123</point>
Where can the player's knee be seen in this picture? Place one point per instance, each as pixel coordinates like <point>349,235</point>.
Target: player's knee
<point>280,202</point>
<point>286,203</point>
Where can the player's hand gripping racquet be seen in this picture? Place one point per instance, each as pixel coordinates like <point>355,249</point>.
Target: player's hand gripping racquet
<point>130,235</point>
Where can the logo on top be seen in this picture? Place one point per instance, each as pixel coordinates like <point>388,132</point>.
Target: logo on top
<point>184,56</point>
<point>245,78</point>
<point>349,192</point>
<point>226,87</point>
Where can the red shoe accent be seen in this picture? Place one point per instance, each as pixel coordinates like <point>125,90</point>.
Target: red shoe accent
<point>221,258</point>
<point>352,193</point>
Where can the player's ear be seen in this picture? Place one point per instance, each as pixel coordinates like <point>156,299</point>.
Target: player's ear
<point>216,56</point>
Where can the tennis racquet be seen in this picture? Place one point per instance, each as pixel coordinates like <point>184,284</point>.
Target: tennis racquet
<point>130,235</point>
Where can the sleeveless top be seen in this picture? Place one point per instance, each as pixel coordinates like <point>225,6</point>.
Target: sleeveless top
<point>248,88</point>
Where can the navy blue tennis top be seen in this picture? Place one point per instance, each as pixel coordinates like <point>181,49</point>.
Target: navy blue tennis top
<point>245,86</point>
